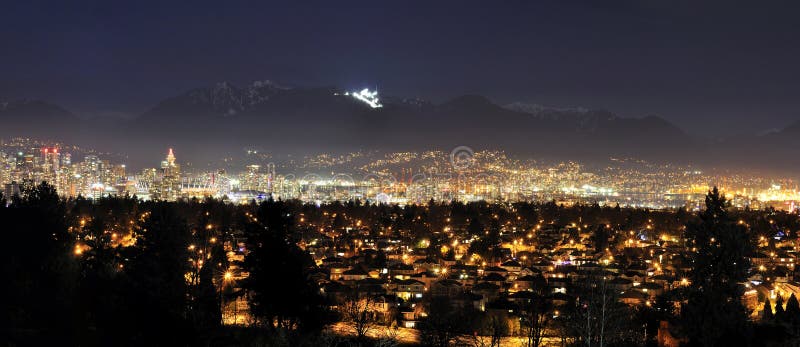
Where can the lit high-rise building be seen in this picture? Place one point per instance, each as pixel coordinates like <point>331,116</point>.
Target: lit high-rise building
<point>169,186</point>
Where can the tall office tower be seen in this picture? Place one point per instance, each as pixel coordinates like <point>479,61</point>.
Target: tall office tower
<point>252,180</point>
<point>28,162</point>
<point>169,167</point>
<point>270,177</point>
<point>146,187</point>
<point>10,189</point>
<point>5,167</point>
<point>91,164</point>
<point>43,162</point>
<point>105,172</point>
<point>66,160</point>
<point>170,185</point>
<point>49,166</point>
<point>54,159</point>
<point>90,174</point>
<point>117,173</point>
<point>50,159</point>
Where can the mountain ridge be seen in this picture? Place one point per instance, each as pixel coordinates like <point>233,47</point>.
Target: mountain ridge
<point>223,118</point>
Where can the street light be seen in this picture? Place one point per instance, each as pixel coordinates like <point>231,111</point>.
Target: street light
<point>227,276</point>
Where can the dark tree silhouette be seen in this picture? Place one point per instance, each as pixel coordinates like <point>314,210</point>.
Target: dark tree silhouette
<point>39,263</point>
<point>597,317</point>
<point>442,324</point>
<point>206,310</point>
<point>792,316</point>
<point>101,278</point>
<point>535,317</point>
<point>792,307</point>
<point>714,314</point>
<point>280,293</point>
<point>601,236</point>
<point>780,313</point>
<point>767,314</point>
<point>359,314</point>
<point>495,326</point>
<point>157,275</point>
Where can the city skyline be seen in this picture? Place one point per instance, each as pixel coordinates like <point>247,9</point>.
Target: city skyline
<point>395,178</point>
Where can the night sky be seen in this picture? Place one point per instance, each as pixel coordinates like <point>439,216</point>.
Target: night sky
<point>717,68</point>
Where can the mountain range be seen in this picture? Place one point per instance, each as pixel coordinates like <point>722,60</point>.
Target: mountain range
<point>210,123</point>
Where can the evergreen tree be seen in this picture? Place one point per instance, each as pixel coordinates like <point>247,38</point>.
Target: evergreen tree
<point>380,259</point>
<point>714,313</point>
<point>37,257</point>
<point>792,314</point>
<point>767,314</point>
<point>339,223</point>
<point>280,293</point>
<point>206,305</point>
<point>450,255</point>
<point>792,307</point>
<point>445,323</point>
<point>101,278</point>
<point>780,313</point>
<point>601,236</point>
<point>475,227</point>
<point>159,292</point>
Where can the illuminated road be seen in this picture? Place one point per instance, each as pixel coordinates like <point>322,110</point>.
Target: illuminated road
<point>403,335</point>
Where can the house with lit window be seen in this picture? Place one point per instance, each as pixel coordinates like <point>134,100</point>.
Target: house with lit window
<point>353,275</point>
<point>409,290</point>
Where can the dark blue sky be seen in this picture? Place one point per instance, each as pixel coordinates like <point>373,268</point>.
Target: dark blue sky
<point>715,68</point>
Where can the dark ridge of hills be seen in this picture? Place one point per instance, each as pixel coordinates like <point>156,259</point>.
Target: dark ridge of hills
<point>208,124</point>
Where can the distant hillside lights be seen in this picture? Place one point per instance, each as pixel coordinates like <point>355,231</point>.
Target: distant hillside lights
<point>367,96</point>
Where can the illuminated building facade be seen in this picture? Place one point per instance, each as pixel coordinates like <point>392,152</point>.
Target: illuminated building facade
<point>168,185</point>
